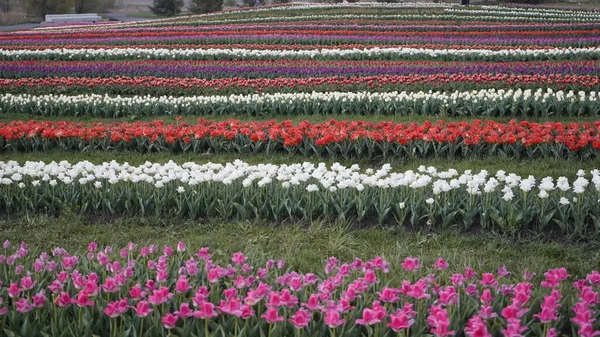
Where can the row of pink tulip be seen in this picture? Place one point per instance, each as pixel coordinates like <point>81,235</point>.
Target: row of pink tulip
<point>142,291</point>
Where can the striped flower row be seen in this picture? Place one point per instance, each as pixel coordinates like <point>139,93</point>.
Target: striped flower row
<point>525,13</point>
<point>356,24</point>
<point>143,290</point>
<point>427,196</point>
<point>490,102</point>
<point>284,68</point>
<point>240,53</point>
<point>334,139</point>
<point>313,38</point>
<point>529,10</point>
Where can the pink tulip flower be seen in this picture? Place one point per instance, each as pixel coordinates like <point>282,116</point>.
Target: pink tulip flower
<point>411,264</point>
<point>369,317</point>
<point>272,316</point>
<point>169,321</point>
<point>332,319</point>
<point>142,309</point>
<point>301,318</point>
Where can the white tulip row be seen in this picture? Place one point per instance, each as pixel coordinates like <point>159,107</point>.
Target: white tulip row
<point>539,10</point>
<point>425,197</point>
<point>269,53</point>
<point>485,95</point>
<point>318,176</point>
<point>527,13</point>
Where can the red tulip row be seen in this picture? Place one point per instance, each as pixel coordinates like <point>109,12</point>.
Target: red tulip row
<point>345,138</point>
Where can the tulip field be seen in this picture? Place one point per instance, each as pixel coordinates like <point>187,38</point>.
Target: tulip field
<point>196,175</point>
